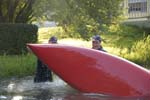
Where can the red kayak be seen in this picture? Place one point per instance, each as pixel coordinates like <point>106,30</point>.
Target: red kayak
<point>93,71</point>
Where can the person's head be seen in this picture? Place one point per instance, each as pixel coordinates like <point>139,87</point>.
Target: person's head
<point>52,40</point>
<point>96,42</point>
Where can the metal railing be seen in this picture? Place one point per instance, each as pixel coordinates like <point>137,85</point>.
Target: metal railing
<point>137,8</point>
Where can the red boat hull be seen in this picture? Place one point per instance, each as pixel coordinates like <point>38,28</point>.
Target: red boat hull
<point>94,71</point>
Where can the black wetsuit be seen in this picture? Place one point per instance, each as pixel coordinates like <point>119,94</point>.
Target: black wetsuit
<point>42,74</point>
<point>101,49</point>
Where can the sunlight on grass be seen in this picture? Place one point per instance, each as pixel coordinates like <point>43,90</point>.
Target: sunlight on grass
<point>75,42</point>
<point>45,33</point>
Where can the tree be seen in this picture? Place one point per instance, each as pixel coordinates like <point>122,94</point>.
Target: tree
<point>16,11</point>
<point>82,17</point>
<point>85,17</point>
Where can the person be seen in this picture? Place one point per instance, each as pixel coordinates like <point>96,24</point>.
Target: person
<point>96,43</point>
<point>44,74</point>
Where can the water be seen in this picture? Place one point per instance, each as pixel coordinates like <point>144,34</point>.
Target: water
<point>26,89</point>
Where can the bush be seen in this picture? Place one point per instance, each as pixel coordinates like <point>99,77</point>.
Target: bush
<point>13,37</point>
<point>124,36</point>
<point>141,52</point>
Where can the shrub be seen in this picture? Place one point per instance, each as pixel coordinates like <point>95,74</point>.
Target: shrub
<point>13,37</point>
<point>140,52</point>
<point>124,36</point>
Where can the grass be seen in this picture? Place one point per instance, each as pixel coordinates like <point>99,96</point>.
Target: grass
<point>134,48</point>
<point>45,33</point>
<point>17,65</point>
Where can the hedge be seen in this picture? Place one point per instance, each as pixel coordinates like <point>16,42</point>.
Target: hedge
<point>13,37</point>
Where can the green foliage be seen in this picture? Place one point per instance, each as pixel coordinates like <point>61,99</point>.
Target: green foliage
<point>124,36</point>
<point>42,9</point>
<point>130,42</point>
<point>45,33</point>
<point>102,11</point>
<point>13,37</point>
<point>82,18</point>
<point>17,65</point>
<point>16,11</point>
<point>140,52</point>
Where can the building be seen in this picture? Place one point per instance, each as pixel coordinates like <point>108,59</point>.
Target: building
<point>137,8</point>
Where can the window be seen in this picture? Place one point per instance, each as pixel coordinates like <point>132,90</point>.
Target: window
<point>137,6</point>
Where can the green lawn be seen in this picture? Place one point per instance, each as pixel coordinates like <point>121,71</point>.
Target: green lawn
<point>17,65</point>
